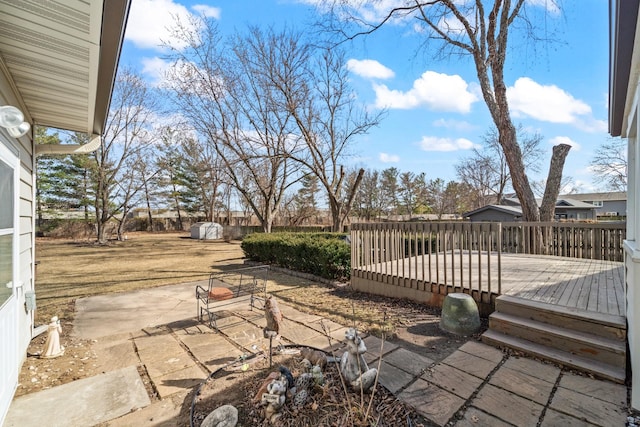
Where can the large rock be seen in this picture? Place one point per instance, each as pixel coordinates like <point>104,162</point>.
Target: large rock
<point>224,416</point>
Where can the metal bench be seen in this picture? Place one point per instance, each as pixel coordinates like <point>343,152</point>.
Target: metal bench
<point>231,289</point>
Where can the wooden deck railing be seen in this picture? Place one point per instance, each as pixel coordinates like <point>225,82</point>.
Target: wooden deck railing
<point>465,256</point>
<point>460,255</point>
<point>599,241</point>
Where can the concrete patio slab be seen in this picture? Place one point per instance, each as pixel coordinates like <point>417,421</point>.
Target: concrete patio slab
<point>85,402</point>
<point>136,310</point>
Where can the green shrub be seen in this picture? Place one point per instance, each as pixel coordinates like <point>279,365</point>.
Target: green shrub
<point>326,255</point>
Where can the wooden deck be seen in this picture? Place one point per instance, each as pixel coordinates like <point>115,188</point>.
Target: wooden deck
<point>590,285</point>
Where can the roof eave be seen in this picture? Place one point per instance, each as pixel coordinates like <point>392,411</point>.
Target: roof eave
<point>623,17</point>
<point>114,19</point>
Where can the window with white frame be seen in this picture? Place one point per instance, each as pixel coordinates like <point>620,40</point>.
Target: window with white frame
<point>7,222</point>
<point>597,203</point>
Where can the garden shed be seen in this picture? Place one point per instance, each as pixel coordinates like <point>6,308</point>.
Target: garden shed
<point>206,231</point>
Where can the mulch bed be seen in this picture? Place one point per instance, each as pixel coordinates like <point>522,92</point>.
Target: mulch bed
<point>328,405</point>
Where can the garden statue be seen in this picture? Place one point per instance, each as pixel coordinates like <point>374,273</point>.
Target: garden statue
<point>52,347</point>
<point>273,315</point>
<point>352,364</point>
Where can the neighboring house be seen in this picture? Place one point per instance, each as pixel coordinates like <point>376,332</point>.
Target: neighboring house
<point>57,66</point>
<point>495,213</point>
<point>607,204</point>
<point>624,121</point>
<point>509,211</point>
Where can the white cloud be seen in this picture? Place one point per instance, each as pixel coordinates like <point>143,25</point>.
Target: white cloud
<point>439,92</point>
<point>565,140</point>
<point>459,125</point>
<point>369,68</point>
<point>549,103</point>
<point>150,20</point>
<point>208,11</point>
<point>389,158</point>
<point>434,143</point>
<point>551,6</point>
<point>155,68</point>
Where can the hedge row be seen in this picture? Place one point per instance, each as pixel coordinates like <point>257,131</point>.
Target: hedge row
<point>327,255</point>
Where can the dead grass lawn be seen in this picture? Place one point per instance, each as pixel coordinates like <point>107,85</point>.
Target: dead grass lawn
<point>70,269</point>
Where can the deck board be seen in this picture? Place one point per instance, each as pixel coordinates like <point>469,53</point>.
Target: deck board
<point>591,285</point>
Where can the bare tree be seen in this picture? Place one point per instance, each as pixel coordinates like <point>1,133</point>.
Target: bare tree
<point>126,135</point>
<point>314,88</point>
<point>481,31</point>
<point>609,164</point>
<point>487,171</point>
<point>226,91</point>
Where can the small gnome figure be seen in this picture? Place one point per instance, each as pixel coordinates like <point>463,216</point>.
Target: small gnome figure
<point>52,347</point>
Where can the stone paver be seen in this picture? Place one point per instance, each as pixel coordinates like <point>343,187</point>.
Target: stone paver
<point>499,389</point>
<point>393,378</point>
<point>585,407</point>
<point>555,419</point>
<point>482,350</point>
<point>473,417</point>
<point>508,406</point>
<point>178,381</point>
<point>471,364</point>
<point>535,368</point>
<point>408,361</point>
<point>603,390</point>
<point>522,384</point>
<point>431,401</point>
<point>453,380</point>
<point>375,347</point>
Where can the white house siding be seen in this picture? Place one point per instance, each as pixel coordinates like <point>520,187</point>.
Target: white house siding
<point>16,324</point>
<point>632,246</point>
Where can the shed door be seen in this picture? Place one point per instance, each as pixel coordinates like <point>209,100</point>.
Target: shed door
<point>9,361</point>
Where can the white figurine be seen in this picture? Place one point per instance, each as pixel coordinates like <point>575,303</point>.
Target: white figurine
<point>52,347</point>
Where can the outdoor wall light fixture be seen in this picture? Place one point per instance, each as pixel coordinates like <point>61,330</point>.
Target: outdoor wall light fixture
<point>13,120</point>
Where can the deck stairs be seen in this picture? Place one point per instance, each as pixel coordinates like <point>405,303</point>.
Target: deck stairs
<point>582,340</point>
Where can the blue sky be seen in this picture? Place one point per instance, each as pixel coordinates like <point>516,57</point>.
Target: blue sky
<point>435,111</point>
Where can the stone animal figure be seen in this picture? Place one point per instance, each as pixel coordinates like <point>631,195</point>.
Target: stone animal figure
<point>352,364</point>
<point>273,314</point>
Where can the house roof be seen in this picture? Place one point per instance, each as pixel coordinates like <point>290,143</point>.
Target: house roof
<point>623,17</point>
<point>562,201</point>
<point>514,210</point>
<point>592,197</point>
<point>60,58</point>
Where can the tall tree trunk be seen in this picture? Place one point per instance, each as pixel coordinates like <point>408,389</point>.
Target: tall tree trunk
<point>552,189</point>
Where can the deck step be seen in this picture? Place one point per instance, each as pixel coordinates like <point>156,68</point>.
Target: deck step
<point>605,325</point>
<point>602,370</point>
<point>587,345</point>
